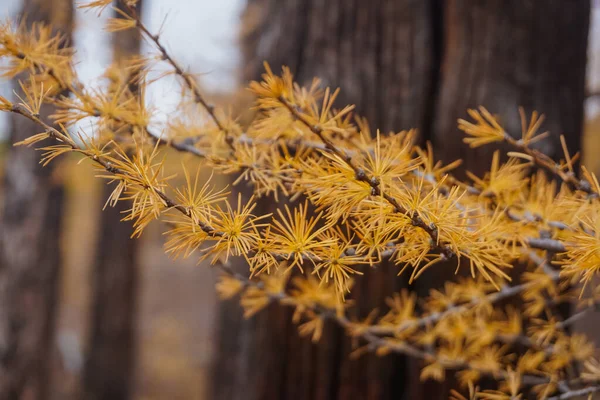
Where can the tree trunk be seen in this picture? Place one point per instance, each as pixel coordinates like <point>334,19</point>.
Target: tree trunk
<point>111,350</point>
<point>505,54</point>
<point>405,64</point>
<point>109,365</point>
<point>382,53</point>
<point>30,251</point>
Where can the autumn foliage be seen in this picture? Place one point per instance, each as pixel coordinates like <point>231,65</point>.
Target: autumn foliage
<point>347,198</point>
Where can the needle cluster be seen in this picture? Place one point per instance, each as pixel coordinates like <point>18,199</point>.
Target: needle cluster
<point>346,199</point>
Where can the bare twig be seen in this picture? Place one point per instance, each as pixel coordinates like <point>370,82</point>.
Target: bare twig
<point>576,393</point>
<point>187,77</point>
<point>544,162</point>
<point>494,297</point>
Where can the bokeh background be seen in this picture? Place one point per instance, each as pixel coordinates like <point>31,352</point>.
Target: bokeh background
<point>176,299</point>
<point>176,312</point>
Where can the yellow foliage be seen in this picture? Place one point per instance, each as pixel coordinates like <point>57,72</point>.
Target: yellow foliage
<point>365,199</point>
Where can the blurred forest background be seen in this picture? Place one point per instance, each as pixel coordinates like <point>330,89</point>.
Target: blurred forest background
<point>127,321</point>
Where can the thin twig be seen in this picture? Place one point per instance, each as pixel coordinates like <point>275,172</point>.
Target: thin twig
<point>544,162</point>
<point>187,78</point>
<point>491,298</point>
<point>56,135</point>
<point>375,342</point>
<point>576,393</point>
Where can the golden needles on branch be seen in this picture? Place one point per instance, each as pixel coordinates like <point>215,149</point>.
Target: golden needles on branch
<point>364,197</point>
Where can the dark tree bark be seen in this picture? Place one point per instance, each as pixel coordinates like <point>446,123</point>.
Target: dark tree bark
<point>505,54</point>
<point>110,359</point>
<point>405,64</point>
<point>30,251</point>
<point>382,53</point>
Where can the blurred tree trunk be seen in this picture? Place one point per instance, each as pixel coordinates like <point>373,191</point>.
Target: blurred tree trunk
<point>30,251</point>
<point>111,350</point>
<point>504,54</point>
<point>405,64</point>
